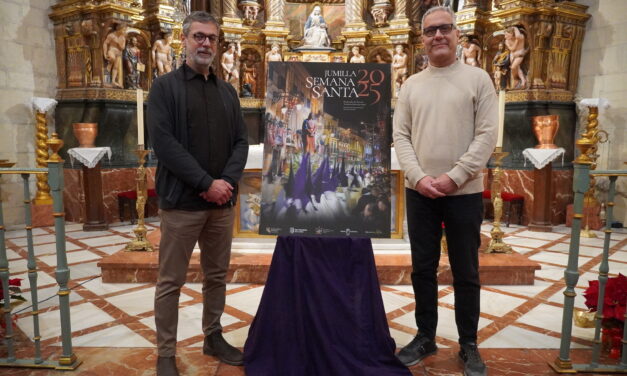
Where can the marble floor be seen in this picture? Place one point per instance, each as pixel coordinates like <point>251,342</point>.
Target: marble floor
<point>113,324</point>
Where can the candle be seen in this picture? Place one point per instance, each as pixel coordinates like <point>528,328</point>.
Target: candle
<point>499,140</point>
<point>140,117</point>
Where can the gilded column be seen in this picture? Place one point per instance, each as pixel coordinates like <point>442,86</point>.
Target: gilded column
<point>216,9</point>
<point>539,58</point>
<point>275,30</point>
<point>230,8</point>
<point>354,11</point>
<point>401,9</point>
<point>575,58</point>
<point>42,106</point>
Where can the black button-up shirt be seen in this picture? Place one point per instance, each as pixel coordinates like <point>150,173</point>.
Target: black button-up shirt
<point>208,132</point>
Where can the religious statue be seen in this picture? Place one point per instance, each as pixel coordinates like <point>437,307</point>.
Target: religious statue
<point>249,77</point>
<point>500,67</point>
<point>357,57</point>
<point>229,64</point>
<point>399,68</point>
<point>315,33</point>
<point>112,48</point>
<point>471,52</point>
<point>162,54</point>
<point>132,64</point>
<point>273,55</point>
<point>515,42</point>
<point>380,12</point>
<point>250,10</point>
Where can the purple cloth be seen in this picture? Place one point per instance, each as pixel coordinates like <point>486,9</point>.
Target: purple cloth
<point>321,313</point>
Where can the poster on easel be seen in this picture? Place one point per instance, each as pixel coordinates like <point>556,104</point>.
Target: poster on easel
<point>326,165</point>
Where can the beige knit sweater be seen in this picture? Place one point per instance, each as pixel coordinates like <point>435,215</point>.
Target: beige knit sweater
<point>446,121</point>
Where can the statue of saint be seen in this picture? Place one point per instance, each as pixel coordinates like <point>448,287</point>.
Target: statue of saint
<point>315,34</point>
<point>500,67</point>
<point>471,52</point>
<point>515,42</point>
<point>399,68</point>
<point>249,77</point>
<point>162,54</point>
<point>357,57</point>
<point>274,54</point>
<point>250,13</point>
<point>112,48</point>
<point>229,64</point>
<point>132,64</point>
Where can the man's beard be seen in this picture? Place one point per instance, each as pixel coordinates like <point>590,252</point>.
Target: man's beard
<point>204,60</point>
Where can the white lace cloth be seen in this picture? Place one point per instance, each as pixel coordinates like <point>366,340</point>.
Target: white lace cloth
<point>89,156</point>
<point>601,103</point>
<point>43,105</point>
<point>542,157</point>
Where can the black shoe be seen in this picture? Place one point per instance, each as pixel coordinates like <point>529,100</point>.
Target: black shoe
<point>419,348</point>
<point>166,366</point>
<point>473,365</point>
<point>217,346</point>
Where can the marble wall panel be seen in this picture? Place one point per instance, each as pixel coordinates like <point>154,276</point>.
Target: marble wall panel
<point>521,182</point>
<point>114,181</point>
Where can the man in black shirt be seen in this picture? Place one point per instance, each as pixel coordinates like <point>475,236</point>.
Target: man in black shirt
<point>199,136</point>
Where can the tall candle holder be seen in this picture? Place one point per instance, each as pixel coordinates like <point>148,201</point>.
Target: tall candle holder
<point>496,243</point>
<point>140,243</point>
<point>592,136</point>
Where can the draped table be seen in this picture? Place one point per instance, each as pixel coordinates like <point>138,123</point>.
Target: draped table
<point>321,313</point>
<point>92,185</point>
<point>542,187</point>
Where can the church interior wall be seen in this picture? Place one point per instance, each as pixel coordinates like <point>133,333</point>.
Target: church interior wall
<point>603,74</point>
<point>27,69</point>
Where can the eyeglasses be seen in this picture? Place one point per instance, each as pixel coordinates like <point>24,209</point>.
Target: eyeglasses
<point>432,30</point>
<point>200,38</point>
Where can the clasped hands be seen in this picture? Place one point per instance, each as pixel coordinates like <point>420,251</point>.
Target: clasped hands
<point>436,187</point>
<point>220,192</point>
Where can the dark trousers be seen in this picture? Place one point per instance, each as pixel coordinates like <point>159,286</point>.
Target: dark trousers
<point>462,216</point>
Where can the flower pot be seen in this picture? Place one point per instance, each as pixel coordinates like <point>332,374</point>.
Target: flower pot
<point>86,134</point>
<point>545,128</point>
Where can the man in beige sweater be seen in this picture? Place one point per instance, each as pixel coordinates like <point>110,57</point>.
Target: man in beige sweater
<point>445,128</point>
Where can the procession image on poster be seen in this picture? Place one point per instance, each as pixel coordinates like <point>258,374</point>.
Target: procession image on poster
<point>326,167</point>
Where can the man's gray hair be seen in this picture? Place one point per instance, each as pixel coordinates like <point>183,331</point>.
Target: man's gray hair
<point>438,9</point>
<point>198,16</point>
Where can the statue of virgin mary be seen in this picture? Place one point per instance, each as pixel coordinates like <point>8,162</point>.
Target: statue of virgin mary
<point>315,33</point>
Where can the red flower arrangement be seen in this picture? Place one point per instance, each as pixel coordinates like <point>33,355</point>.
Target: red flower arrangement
<point>14,290</point>
<point>615,299</point>
<point>14,297</point>
<point>614,303</point>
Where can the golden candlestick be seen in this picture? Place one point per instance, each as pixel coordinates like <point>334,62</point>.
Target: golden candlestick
<point>140,243</point>
<point>590,138</point>
<point>42,197</point>
<point>496,243</point>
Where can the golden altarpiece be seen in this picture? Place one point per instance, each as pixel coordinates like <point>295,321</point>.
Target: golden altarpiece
<point>107,49</point>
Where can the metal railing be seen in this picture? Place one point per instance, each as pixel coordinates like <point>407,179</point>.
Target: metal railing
<point>67,360</point>
<point>563,363</point>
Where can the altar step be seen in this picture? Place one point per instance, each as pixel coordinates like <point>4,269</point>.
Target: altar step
<point>251,258</point>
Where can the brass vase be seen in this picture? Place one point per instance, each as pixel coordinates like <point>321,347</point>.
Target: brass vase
<point>545,128</point>
<point>86,134</point>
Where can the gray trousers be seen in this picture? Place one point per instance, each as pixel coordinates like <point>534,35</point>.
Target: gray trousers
<point>180,230</point>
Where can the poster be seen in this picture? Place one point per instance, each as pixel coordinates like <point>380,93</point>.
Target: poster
<point>326,167</point>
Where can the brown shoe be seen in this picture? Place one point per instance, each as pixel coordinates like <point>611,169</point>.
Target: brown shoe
<point>166,366</point>
<point>217,346</point>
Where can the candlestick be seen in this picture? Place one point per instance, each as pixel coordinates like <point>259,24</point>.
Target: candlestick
<point>496,243</point>
<point>140,117</point>
<point>140,243</point>
<point>499,140</point>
